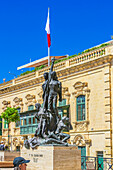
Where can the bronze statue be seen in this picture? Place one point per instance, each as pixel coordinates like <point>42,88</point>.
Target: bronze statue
<point>49,130</point>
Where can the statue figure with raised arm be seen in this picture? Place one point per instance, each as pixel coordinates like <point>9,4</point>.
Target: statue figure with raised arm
<point>55,89</point>
<point>45,86</point>
<point>50,126</point>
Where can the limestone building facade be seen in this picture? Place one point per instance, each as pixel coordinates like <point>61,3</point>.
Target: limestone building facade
<point>87,87</point>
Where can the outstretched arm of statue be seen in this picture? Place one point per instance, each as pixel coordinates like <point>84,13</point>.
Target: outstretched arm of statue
<point>53,60</point>
<point>51,69</point>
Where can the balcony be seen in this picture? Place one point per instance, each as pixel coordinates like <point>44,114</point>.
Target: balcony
<point>28,129</point>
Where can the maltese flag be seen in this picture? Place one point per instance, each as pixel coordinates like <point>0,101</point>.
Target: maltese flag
<point>47,28</point>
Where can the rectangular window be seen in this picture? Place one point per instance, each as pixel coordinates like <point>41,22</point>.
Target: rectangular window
<point>31,107</point>
<point>79,112</point>
<point>80,108</point>
<point>25,122</point>
<point>33,120</point>
<point>83,112</point>
<point>30,121</point>
<point>5,124</point>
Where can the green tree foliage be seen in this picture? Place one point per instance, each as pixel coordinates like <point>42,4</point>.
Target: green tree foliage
<point>10,115</point>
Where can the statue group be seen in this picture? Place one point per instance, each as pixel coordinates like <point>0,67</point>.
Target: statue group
<point>50,126</point>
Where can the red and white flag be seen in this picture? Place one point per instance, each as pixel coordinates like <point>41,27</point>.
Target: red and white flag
<point>47,28</point>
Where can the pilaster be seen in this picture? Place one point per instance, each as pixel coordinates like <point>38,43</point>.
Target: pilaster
<point>108,112</point>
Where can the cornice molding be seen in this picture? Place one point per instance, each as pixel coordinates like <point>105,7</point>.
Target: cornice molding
<point>63,72</point>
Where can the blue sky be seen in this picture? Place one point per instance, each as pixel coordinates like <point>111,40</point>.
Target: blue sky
<point>75,26</point>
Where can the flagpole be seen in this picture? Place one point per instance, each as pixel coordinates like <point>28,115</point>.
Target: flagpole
<point>47,28</point>
<point>48,47</point>
<point>48,56</point>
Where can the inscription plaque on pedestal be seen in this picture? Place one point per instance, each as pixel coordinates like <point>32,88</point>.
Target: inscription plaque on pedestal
<point>53,158</point>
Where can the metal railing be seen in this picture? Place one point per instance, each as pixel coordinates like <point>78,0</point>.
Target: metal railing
<point>96,163</point>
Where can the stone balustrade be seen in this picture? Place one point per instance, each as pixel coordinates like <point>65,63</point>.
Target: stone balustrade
<point>100,52</point>
<point>87,56</point>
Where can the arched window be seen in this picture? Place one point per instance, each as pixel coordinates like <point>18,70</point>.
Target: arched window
<point>80,108</point>
<point>31,107</point>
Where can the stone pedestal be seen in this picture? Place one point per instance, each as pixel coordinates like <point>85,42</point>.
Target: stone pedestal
<point>53,158</point>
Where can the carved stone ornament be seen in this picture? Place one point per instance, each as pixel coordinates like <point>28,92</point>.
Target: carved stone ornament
<point>6,104</point>
<point>81,126</point>
<point>18,102</point>
<point>79,140</point>
<point>81,89</point>
<point>30,99</point>
<point>79,85</point>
